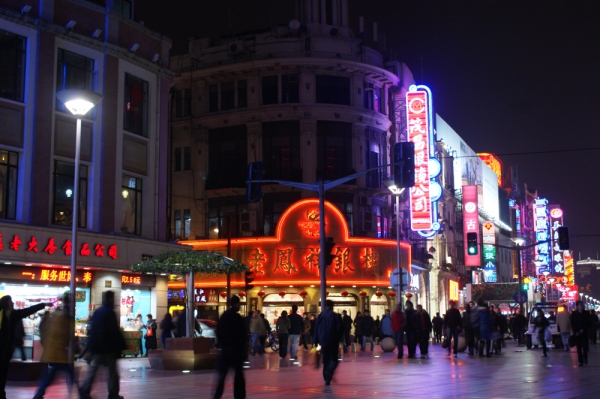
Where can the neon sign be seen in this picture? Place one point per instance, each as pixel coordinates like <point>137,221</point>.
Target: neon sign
<point>556,221</point>
<point>494,163</point>
<point>55,275</point>
<point>453,290</point>
<point>540,215</point>
<point>470,222</point>
<point>135,280</point>
<point>489,253</point>
<point>52,246</point>
<point>426,192</point>
<point>292,256</point>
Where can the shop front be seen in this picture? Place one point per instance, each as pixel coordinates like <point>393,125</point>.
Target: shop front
<point>286,268</point>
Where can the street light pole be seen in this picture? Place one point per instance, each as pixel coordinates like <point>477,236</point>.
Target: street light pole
<point>79,103</point>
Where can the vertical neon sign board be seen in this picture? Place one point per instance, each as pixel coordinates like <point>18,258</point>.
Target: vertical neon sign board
<point>470,222</point>
<point>489,253</point>
<point>540,215</point>
<point>426,192</point>
<point>557,259</point>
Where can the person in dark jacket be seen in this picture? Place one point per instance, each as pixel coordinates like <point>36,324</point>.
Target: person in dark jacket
<point>398,324</point>
<point>593,327</point>
<point>358,328</point>
<point>181,330</point>
<point>106,343</point>
<point>232,337</point>
<point>422,322</point>
<point>328,333</point>
<point>347,326</point>
<point>581,325</point>
<point>518,326</point>
<point>502,323</point>
<point>453,325</point>
<point>150,335</point>
<point>367,325</point>
<point>296,329</point>
<point>166,328</point>
<point>9,318</point>
<point>484,320</point>
<point>438,326</point>
<point>410,329</point>
<point>263,338</point>
<point>541,323</point>
<point>468,328</point>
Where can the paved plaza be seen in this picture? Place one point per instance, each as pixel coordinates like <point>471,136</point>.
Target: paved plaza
<point>516,373</point>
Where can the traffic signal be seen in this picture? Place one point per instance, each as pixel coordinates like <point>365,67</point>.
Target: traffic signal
<point>472,248</point>
<point>525,286</point>
<point>249,278</point>
<point>404,164</point>
<point>563,238</point>
<point>329,244</point>
<point>253,190</point>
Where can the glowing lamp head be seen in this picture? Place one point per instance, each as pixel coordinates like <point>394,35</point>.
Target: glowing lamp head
<point>79,102</point>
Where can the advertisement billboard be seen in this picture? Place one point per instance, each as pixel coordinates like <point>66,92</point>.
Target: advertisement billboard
<point>470,222</point>
<point>489,252</point>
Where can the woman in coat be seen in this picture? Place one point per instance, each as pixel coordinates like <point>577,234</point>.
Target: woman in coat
<point>166,326</point>
<point>283,332</point>
<point>150,336</point>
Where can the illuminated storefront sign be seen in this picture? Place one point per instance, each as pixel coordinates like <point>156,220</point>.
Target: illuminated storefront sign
<point>453,290</point>
<point>489,253</point>
<point>292,255</point>
<point>542,256</point>
<point>557,259</point>
<point>470,222</point>
<point>426,192</point>
<point>135,280</point>
<point>52,246</point>
<point>569,268</point>
<point>494,163</point>
<point>46,275</point>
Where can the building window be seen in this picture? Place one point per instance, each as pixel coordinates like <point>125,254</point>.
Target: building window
<point>372,97</point>
<point>227,96</point>
<point>64,176</point>
<point>334,150</point>
<point>73,71</point>
<point>213,98</point>
<point>228,157</point>
<point>187,223</point>
<point>177,160</point>
<point>242,93</point>
<point>177,220</point>
<point>333,89</point>
<point>187,162</point>
<point>9,172</point>
<point>123,7</point>
<point>281,150</point>
<point>182,103</point>
<point>373,176</point>
<point>12,67</point>
<point>181,159</point>
<point>270,90</point>
<point>184,223</point>
<point>135,117</point>
<point>223,216</point>
<point>290,88</point>
<point>131,205</point>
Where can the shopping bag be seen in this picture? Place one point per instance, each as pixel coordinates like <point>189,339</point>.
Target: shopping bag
<point>149,331</point>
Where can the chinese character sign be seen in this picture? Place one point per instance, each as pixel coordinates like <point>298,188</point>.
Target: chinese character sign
<point>489,252</point>
<point>557,259</point>
<point>417,110</point>
<point>453,290</point>
<point>470,222</point>
<point>540,215</point>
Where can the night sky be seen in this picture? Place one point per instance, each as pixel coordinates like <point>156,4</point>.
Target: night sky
<point>510,77</point>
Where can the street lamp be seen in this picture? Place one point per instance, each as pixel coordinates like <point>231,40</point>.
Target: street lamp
<point>396,191</point>
<point>79,103</point>
<point>519,241</point>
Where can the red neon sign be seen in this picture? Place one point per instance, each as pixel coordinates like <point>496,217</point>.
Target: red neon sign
<point>56,276</point>
<point>417,110</point>
<point>470,222</point>
<point>51,246</point>
<point>494,163</point>
<point>126,279</point>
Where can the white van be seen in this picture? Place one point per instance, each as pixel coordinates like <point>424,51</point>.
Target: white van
<point>550,310</point>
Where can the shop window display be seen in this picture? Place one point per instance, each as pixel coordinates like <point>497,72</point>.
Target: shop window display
<point>135,305</point>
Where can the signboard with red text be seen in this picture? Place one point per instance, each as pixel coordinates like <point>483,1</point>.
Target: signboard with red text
<point>46,275</point>
<point>470,222</point>
<point>417,111</point>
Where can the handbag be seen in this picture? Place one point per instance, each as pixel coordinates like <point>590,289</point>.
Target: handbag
<point>149,331</point>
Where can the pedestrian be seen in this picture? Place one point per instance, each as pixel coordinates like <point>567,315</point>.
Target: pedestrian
<point>519,326</point>
<point>386,325</point>
<point>55,339</point>
<point>563,324</point>
<point>166,329</point>
<point>150,335</point>
<point>347,326</point>
<point>296,329</point>
<point>453,326</point>
<point>376,328</point>
<point>283,331</point>
<point>19,335</point>
<point>422,321</point>
<point>305,331</point>
<point>410,328</point>
<point>495,334</point>
<point>475,308</point>
<point>593,327</point>
<point>398,323</point>
<point>257,328</point>
<point>541,323</point>
<point>358,333</point>
<point>232,337</point>
<point>484,320</point>
<point>468,329</point>
<point>438,325</point>
<point>502,328</point>
<point>106,344</point>
<point>138,325</point>
<point>367,325</point>
<point>580,324</point>
<point>328,333</point>
<point>263,338</point>
<point>9,318</point>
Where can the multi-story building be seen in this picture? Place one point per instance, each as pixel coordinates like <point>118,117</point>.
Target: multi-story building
<point>49,46</point>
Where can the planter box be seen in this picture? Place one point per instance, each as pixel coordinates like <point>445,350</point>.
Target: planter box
<point>197,345</point>
<point>184,354</point>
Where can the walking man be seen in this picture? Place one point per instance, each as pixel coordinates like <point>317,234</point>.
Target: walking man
<point>410,329</point>
<point>328,334</point>
<point>580,325</point>
<point>367,329</point>
<point>453,324</point>
<point>106,344</point>
<point>563,324</point>
<point>423,324</point>
<point>347,326</point>
<point>398,322</point>
<point>296,328</point>
<point>232,336</point>
<point>438,326</point>
<point>541,323</point>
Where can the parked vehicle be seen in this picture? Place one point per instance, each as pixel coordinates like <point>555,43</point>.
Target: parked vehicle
<point>531,335</point>
<point>208,329</point>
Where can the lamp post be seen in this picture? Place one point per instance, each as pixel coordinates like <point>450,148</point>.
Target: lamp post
<point>519,241</point>
<point>79,103</point>
<point>396,192</point>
